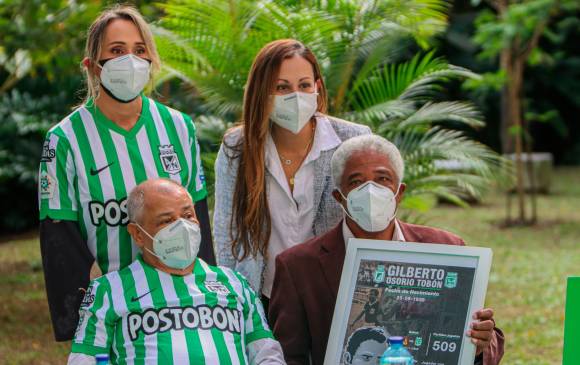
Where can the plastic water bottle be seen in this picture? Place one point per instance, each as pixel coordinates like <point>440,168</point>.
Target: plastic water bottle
<point>102,359</point>
<point>396,354</point>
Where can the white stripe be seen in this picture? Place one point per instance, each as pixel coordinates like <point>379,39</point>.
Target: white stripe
<point>209,348</point>
<point>106,180</point>
<point>83,187</point>
<point>146,154</point>
<point>145,302</point>
<point>178,341</point>
<point>127,172</point>
<point>70,175</point>
<point>184,139</point>
<point>162,133</point>
<point>100,328</point>
<point>120,308</point>
<point>54,201</point>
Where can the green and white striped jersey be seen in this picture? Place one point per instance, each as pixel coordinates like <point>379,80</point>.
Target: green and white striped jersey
<point>89,165</point>
<point>142,315</point>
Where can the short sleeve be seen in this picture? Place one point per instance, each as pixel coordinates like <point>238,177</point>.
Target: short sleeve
<point>256,325</point>
<point>57,179</point>
<point>95,331</point>
<point>196,186</point>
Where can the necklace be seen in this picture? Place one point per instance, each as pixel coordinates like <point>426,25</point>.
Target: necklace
<point>287,161</point>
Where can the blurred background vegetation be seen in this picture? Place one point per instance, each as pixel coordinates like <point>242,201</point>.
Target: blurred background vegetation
<point>423,73</point>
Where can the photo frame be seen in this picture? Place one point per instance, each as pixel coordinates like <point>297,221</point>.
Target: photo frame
<point>426,293</point>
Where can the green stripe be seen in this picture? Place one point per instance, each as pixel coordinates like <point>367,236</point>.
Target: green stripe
<point>136,160</point>
<point>44,209</point>
<point>130,291</point>
<point>232,303</point>
<point>158,297</point>
<point>62,151</point>
<point>154,145</point>
<point>95,189</point>
<point>191,337</point>
<point>192,184</point>
<point>124,239</point>
<point>175,140</point>
<point>217,336</point>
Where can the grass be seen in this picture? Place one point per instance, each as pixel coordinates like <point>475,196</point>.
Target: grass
<point>527,284</point>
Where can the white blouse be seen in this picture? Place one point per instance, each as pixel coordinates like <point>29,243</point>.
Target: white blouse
<point>292,212</point>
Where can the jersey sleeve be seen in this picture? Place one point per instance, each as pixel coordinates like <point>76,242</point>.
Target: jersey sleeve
<point>256,325</point>
<point>96,328</point>
<point>57,179</point>
<point>196,186</point>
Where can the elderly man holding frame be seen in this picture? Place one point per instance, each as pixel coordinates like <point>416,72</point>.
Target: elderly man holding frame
<point>368,173</point>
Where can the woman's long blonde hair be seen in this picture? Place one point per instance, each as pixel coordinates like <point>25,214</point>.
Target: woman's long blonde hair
<point>96,34</point>
<point>250,223</point>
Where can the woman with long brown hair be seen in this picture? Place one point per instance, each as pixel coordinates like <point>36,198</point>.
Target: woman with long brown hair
<point>273,178</point>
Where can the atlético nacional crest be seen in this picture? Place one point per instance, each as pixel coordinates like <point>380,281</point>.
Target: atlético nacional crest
<point>169,159</point>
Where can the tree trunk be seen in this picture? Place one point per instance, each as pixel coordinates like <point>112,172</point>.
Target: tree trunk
<point>515,80</point>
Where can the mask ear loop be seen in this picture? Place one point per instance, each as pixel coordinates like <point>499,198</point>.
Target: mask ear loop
<point>343,209</point>
<point>397,206</point>
<point>161,257</point>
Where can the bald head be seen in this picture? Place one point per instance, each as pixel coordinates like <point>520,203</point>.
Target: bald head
<point>149,190</point>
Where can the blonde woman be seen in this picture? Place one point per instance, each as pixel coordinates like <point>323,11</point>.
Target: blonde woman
<point>273,180</point>
<point>94,157</point>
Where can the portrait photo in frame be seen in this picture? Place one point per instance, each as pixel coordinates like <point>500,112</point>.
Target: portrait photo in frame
<point>426,293</point>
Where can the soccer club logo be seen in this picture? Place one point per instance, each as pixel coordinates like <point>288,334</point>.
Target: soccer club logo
<point>379,275</point>
<point>451,280</point>
<point>169,159</point>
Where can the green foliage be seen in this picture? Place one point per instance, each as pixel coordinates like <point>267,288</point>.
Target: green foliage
<point>25,121</point>
<point>42,35</point>
<point>362,48</point>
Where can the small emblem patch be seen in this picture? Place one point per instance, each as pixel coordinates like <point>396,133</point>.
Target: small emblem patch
<point>169,159</point>
<point>47,185</point>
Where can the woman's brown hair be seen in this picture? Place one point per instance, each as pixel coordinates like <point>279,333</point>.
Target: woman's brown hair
<point>250,224</point>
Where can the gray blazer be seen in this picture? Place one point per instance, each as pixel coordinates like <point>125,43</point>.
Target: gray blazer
<point>328,212</point>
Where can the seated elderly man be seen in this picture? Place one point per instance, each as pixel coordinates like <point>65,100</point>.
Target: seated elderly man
<point>169,306</point>
<point>367,172</point>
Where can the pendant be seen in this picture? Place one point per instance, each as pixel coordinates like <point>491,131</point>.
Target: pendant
<point>287,162</point>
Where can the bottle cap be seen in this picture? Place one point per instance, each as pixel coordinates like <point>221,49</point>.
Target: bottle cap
<point>396,340</point>
<point>102,357</point>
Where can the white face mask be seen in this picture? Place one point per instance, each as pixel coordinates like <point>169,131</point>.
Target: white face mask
<point>293,111</point>
<point>176,244</point>
<point>372,206</point>
<point>124,77</point>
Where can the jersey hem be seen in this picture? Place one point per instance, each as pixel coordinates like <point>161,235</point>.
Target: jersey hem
<point>67,215</point>
<point>92,350</point>
<point>258,335</point>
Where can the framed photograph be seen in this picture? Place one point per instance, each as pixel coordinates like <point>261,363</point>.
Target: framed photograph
<point>426,293</point>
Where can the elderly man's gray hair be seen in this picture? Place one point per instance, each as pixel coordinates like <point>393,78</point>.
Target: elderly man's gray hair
<point>367,142</point>
<point>136,199</point>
